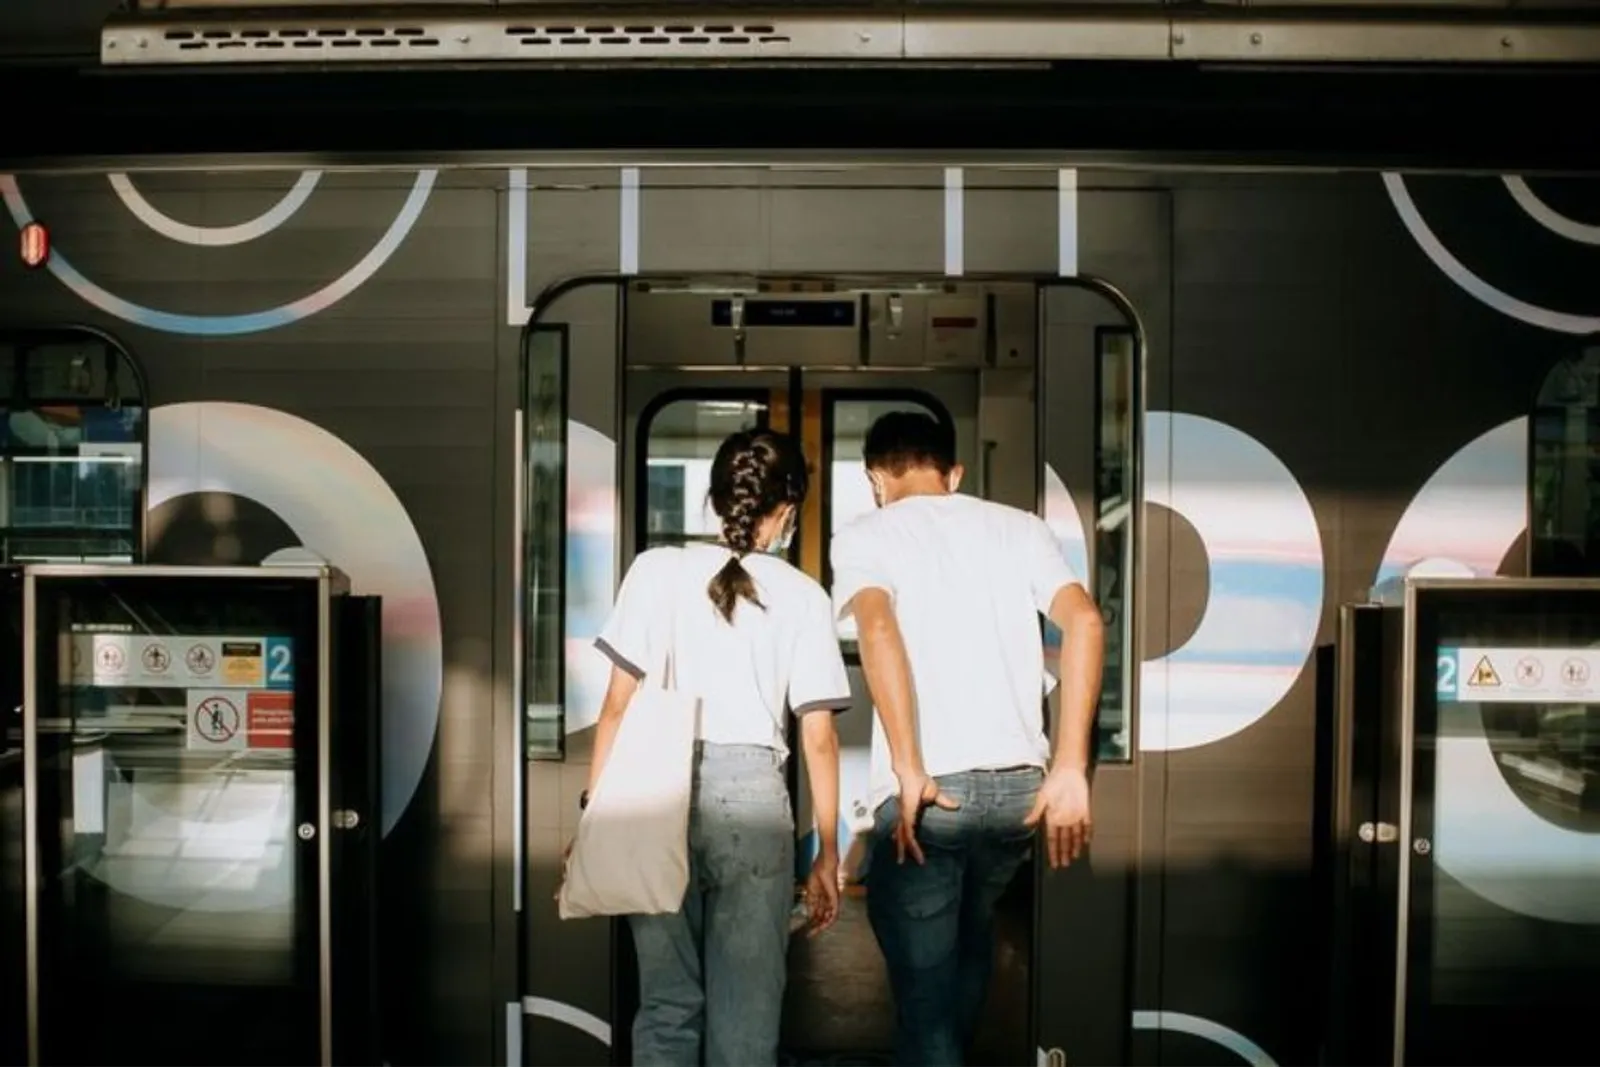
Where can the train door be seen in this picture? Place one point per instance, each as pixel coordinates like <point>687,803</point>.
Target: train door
<point>823,359</point>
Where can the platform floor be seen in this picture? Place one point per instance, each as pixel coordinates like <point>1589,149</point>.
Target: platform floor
<point>838,1010</point>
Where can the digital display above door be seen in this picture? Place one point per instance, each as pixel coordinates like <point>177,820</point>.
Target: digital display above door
<point>835,313</point>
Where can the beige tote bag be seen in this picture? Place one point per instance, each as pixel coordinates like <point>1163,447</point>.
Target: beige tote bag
<point>631,854</point>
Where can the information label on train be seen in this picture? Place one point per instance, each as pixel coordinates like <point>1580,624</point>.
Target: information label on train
<point>178,661</point>
<point>230,720</point>
<point>1519,675</point>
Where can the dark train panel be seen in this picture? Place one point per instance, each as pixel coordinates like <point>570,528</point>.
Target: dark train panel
<point>1333,361</point>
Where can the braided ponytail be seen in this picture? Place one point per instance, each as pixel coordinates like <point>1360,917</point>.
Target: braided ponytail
<point>755,472</point>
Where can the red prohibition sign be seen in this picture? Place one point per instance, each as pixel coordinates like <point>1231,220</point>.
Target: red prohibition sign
<point>216,719</point>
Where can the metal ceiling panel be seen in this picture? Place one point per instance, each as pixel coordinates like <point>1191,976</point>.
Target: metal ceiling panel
<point>611,36</point>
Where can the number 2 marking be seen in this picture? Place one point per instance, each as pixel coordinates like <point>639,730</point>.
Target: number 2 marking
<point>278,668</point>
<point>1447,674</point>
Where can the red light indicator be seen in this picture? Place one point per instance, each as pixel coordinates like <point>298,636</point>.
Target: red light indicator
<point>35,244</point>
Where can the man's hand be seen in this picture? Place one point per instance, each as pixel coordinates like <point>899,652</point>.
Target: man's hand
<point>917,791</point>
<point>822,893</point>
<point>1063,806</point>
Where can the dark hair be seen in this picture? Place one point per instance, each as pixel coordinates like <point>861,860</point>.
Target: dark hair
<point>754,473</point>
<point>901,440</point>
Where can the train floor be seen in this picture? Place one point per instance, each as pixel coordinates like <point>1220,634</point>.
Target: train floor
<point>838,1010</point>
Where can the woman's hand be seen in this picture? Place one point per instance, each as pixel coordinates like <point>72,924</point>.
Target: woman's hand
<point>822,893</point>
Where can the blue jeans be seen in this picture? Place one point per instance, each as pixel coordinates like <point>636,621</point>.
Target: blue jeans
<point>711,975</point>
<point>935,922</point>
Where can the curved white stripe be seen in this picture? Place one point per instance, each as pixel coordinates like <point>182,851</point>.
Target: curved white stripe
<point>1476,287</point>
<point>576,1018</point>
<point>1547,216</point>
<point>1216,1033</point>
<point>214,236</point>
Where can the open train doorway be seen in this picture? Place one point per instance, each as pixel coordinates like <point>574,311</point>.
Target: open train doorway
<point>1040,380</point>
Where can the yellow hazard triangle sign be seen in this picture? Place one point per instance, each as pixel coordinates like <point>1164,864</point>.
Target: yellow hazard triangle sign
<point>1483,675</point>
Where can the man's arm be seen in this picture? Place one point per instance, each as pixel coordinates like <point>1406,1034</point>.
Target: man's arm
<point>1083,646</point>
<point>864,588</point>
<point>1063,801</point>
<point>888,671</point>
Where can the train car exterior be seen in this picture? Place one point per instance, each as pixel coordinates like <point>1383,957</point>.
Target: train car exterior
<point>1339,370</point>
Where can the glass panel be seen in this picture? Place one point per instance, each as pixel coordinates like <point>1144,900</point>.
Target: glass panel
<point>1503,943</point>
<point>1565,481</point>
<point>849,489</point>
<point>544,545</point>
<point>175,735</point>
<point>1115,494</point>
<point>681,439</point>
<point>71,454</point>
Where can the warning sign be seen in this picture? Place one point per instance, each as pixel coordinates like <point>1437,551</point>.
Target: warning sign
<point>200,659</point>
<point>162,661</point>
<point>1483,675</point>
<point>216,720</point>
<point>155,658</point>
<point>1518,675</point>
<point>242,664</point>
<point>270,719</point>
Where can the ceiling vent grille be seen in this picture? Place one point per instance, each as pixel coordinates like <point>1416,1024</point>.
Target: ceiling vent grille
<point>353,37</point>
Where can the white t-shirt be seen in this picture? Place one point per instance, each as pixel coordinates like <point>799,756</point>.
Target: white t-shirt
<point>744,672</point>
<point>969,579</point>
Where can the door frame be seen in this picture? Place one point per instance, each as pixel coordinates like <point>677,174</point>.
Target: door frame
<point>757,283</point>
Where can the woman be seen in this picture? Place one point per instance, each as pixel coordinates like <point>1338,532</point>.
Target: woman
<point>749,635</point>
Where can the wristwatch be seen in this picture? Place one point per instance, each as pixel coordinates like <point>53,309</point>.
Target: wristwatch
<point>583,800</point>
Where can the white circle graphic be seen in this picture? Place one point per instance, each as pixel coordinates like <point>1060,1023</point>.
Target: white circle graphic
<point>341,508</point>
<point>214,236</point>
<point>1547,216</point>
<point>1265,563</point>
<point>230,325</point>
<point>1178,1022</point>
<point>577,1018</point>
<point>1474,286</point>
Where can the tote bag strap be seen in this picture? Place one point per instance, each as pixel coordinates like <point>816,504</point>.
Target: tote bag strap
<point>669,677</point>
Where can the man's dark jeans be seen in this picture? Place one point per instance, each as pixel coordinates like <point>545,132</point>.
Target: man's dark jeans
<point>935,921</point>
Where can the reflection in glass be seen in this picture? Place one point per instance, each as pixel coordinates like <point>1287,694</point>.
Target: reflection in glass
<point>1114,501</point>
<point>681,439</point>
<point>544,542</point>
<point>1565,477</point>
<point>72,428</point>
<point>173,884</point>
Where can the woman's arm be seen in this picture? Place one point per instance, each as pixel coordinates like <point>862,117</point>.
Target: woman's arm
<point>619,691</point>
<point>820,742</point>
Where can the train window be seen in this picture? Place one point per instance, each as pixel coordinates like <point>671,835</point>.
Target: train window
<point>544,541</point>
<point>681,436</point>
<point>849,491</point>
<point>72,447</point>
<point>1114,497</point>
<point>1564,482</point>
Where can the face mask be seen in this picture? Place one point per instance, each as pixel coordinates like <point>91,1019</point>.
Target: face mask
<point>877,490</point>
<point>779,545</point>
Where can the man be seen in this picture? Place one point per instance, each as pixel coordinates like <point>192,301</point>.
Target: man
<point>947,591</point>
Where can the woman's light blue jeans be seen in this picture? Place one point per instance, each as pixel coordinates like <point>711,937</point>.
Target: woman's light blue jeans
<point>712,974</point>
